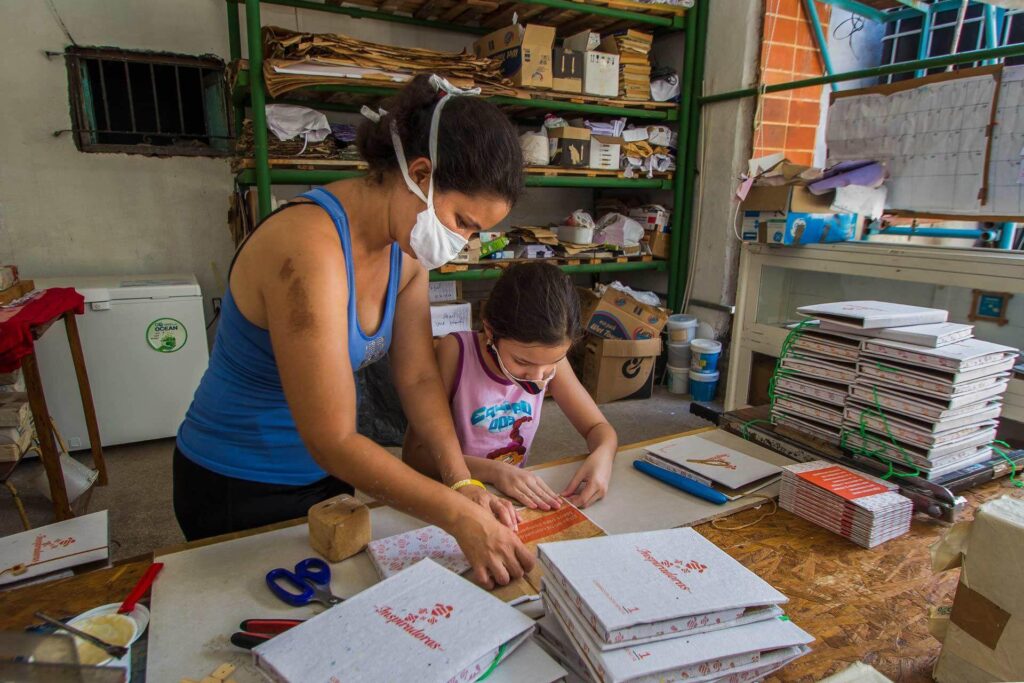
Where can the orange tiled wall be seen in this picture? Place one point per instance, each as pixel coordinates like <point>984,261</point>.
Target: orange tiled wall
<point>789,119</point>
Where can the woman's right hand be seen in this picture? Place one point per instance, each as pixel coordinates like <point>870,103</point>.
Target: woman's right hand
<point>495,553</point>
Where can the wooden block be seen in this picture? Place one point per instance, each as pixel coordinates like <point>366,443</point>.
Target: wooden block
<point>188,680</point>
<point>223,671</point>
<point>210,679</point>
<point>339,527</point>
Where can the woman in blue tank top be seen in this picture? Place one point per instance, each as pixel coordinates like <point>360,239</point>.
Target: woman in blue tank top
<point>327,285</point>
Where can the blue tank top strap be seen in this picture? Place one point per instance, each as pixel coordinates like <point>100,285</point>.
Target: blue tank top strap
<point>364,349</point>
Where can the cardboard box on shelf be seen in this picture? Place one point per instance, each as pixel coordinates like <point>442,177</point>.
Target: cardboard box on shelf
<point>614,369</point>
<point>569,146</point>
<point>652,217</point>
<point>450,317</point>
<point>470,253</point>
<point>524,51</point>
<point>790,214</point>
<point>601,74</point>
<point>445,291</point>
<point>567,70</point>
<point>660,243</point>
<point>617,315</point>
<point>604,152</point>
<point>600,69</point>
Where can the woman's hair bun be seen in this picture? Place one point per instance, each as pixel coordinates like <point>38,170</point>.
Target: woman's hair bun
<point>478,147</point>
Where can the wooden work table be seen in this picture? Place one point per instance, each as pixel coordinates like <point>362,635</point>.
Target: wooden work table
<point>861,605</point>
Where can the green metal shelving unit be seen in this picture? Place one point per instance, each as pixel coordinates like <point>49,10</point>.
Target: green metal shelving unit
<point>249,91</point>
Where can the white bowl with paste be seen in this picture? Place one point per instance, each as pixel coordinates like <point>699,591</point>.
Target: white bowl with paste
<point>117,629</point>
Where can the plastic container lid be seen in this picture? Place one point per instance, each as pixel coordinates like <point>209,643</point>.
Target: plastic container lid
<point>703,376</point>
<point>676,370</point>
<point>677,320</point>
<point>706,346</point>
<point>679,343</point>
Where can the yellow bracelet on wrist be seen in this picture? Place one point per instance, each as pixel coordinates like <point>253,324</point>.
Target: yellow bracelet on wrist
<point>467,482</point>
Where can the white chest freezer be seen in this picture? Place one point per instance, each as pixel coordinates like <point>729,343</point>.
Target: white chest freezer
<point>144,340</point>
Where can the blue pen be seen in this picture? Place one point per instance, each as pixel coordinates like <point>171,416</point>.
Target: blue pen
<point>694,488</point>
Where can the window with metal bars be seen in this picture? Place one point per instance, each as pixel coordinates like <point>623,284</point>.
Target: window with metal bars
<point>902,41</point>
<point>148,103</point>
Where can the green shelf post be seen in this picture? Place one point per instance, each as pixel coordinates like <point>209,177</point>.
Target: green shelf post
<point>495,272</point>
<point>259,111</point>
<point>913,65</point>
<point>678,251</point>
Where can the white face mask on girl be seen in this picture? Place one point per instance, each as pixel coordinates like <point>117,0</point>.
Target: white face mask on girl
<point>432,242</point>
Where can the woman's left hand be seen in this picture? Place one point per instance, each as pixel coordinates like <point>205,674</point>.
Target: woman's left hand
<point>502,508</point>
<point>594,476</point>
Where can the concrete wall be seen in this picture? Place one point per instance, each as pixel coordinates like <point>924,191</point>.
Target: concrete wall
<point>65,212</point>
<point>733,47</point>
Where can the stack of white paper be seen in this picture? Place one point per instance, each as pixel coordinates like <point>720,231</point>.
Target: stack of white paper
<point>54,547</point>
<point>862,508</point>
<point>424,624</point>
<point>646,606</point>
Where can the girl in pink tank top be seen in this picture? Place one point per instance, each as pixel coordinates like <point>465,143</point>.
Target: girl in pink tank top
<point>496,382</point>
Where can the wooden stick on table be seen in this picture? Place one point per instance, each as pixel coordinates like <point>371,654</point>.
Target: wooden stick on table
<point>78,357</point>
<point>47,449</point>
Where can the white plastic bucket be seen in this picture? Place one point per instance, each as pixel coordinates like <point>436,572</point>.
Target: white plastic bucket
<point>678,380</point>
<point>703,385</point>
<point>679,354</point>
<point>682,327</point>
<point>704,355</point>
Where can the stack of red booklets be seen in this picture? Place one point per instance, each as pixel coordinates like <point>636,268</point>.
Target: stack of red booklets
<point>865,509</point>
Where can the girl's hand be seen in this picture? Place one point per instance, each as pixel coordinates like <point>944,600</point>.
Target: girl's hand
<point>501,508</point>
<point>593,477</point>
<point>525,487</point>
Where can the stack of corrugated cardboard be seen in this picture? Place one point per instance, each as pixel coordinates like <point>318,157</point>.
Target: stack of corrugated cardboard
<point>16,428</point>
<point>633,48</point>
<point>658,604</point>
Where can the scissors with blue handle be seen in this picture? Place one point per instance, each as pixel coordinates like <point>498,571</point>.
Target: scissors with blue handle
<point>312,577</point>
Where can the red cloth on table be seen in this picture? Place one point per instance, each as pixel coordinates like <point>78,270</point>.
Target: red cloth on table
<point>16,322</point>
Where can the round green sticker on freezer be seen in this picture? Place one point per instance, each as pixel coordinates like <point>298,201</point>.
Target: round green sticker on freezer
<point>166,335</point>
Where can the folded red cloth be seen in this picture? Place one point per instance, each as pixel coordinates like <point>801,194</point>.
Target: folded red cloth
<point>16,322</point>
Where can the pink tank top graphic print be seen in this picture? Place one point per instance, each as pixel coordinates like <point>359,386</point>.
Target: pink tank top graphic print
<point>494,417</point>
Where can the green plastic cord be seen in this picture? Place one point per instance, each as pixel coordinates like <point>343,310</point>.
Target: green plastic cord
<point>1013,468</point>
<point>494,664</point>
<point>779,371</point>
<point>867,438</point>
<point>744,428</point>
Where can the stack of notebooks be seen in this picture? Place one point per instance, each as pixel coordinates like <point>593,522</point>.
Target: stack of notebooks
<point>727,470</point>
<point>814,383</point>
<point>633,48</point>
<point>16,428</point>
<point>857,506</point>
<point>422,624</point>
<point>661,605</point>
<point>924,393</point>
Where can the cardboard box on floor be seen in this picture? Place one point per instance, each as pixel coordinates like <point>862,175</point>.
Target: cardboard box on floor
<point>985,631</point>
<point>790,214</point>
<point>614,369</point>
<point>524,51</point>
<point>617,315</point>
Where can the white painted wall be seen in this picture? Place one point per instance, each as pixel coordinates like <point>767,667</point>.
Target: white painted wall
<point>733,51</point>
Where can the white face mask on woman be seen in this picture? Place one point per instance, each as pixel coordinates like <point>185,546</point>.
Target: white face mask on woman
<point>432,242</point>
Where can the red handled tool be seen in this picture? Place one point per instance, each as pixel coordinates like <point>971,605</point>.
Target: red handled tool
<point>257,631</point>
<point>140,588</point>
